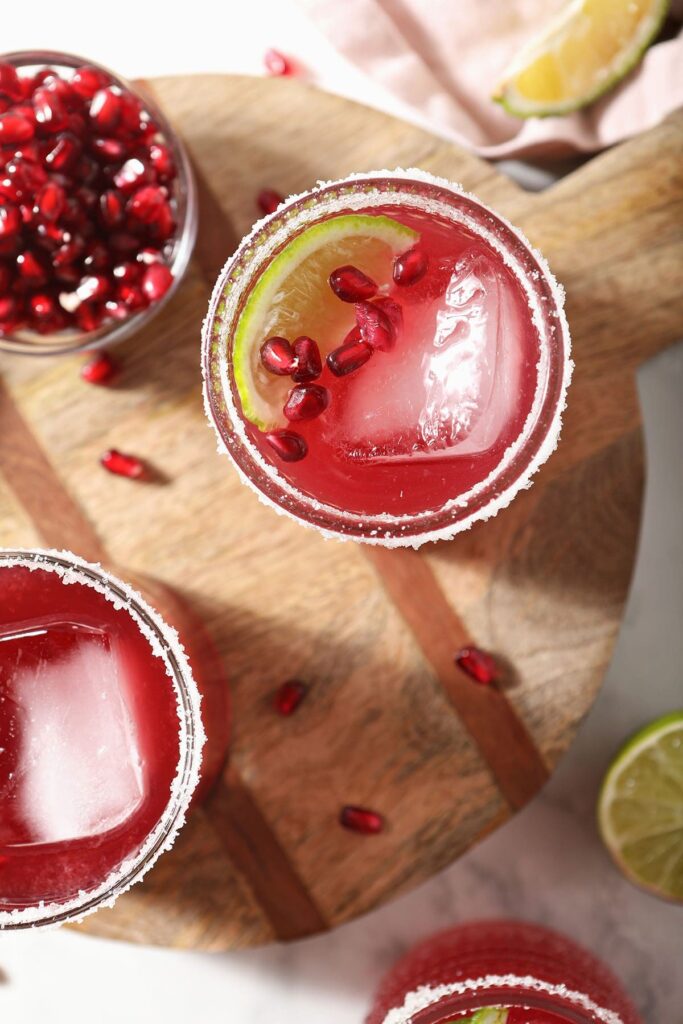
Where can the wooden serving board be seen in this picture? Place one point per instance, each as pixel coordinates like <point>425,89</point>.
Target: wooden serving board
<point>390,722</point>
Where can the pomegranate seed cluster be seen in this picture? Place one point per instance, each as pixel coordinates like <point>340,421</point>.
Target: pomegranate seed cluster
<point>86,201</point>
<point>379,321</point>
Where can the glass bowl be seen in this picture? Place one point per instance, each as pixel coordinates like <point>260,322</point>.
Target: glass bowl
<point>177,250</point>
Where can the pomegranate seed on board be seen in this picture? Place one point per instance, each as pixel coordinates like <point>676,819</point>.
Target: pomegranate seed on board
<point>268,200</point>
<point>410,266</point>
<point>308,362</point>
<point>98,370</point>
<point>276,63</point>
<point>277,356</point>
<point>349,357</point>
<point>375,326</point>
<point>15,128</point>
<point>351,285</point>
<point>360,819</point>
<point>290,446</point>
<point>156,281</point>
<point>478,664</point>
<point>289,696</point>
<point>306,401</point>
<point>123,465</point>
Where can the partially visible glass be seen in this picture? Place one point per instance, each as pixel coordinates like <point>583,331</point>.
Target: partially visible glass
<point>534,975</point>
<point>91,793</point>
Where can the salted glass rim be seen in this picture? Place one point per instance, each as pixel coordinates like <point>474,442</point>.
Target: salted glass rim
<point>181,245</point>
<point>426,996</point>
<point>356,192</point>
<point>166,644</point>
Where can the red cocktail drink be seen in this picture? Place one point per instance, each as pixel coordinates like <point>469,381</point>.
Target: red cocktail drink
<point>101,736</point>
<point>501,972</point>
<point>386,359</point>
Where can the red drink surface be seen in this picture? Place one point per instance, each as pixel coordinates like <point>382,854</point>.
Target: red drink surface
<point>421,424</point>
<point>480,950</point>
<point>89,737</point>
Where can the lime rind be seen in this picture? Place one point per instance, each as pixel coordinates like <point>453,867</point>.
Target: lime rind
<point>517,106</point>
<point>252,325</point>
<point>641,818</point>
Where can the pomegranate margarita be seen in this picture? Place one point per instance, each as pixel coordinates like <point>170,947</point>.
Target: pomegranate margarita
<point>501,972</point>
<point>100,737</point>
<point>386,359</point>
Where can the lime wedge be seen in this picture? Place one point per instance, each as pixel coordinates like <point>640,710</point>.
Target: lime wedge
<point>292,297</point>
<point>588,47</point>
<point>487,1015</point>
<point>640,808</point>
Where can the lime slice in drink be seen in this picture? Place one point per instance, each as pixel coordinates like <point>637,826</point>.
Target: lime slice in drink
<point>292,297</point>
<point>640,808</point>
<point>588,47</point>
<point>487,1015</point>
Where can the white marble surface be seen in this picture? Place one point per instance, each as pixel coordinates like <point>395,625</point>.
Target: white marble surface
<point>547,864</point>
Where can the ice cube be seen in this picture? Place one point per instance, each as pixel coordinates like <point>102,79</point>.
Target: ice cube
<point>450,386</point>
<point>77,766</point>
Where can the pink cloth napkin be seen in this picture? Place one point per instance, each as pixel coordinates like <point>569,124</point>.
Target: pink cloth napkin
<point>441,59</point>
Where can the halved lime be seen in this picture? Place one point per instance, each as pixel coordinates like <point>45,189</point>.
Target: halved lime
<point>640,808</point>
<point>292,297</point>
<point>587,48</point>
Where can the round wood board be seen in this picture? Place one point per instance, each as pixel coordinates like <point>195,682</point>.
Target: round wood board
<point>390,722</point>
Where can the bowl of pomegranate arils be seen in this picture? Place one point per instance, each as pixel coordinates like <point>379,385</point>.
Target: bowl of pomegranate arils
<point>98,208</point>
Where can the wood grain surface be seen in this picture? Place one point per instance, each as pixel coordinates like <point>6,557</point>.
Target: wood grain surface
<point>390,722</point>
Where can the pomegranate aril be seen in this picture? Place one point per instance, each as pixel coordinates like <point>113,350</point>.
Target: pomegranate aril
<point>478,664</point>
<point>31,269</point>
<point>410,266</point>
<point>308,362</point>
<point>87,170</point>
<point>361,819</point>
<point>127,273</point>
<point>393,311</point>
<point>10,220</point>
<point>10,84</point>
<point>52,236</point>
<point>276,63</point>
<point>99,370</point>
<point>93,288</point>
<point>123,465</point>
<point>15,128</point>
<point>131,297</point>
<point>111,208</point>
<point>108,150</point>
<point>42,306</point>
<point>287,444</point>
<point>8,307</point>
<point>148,255</point>
<point>349,357</point>
<point>49,111</point>
<point>268,200</point>
<point>65,153</point>
<point>88,316</point>
<point>105,109</point>
<point>146,203</point>
<point>123,242</point>
<point>132,175</point>
<point>306,401</point>
<point>289,696</point>
<point>351,285</point>
<point>5,279</point>
<point>87,80</point>
<point>161,161</point>
<point>50,201</point>
<point>96,256</point>
<point>163,225</point>
<point>156,281</point>
<point>375,326</point>
<point>114,309</point>
<point>277,356</point>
